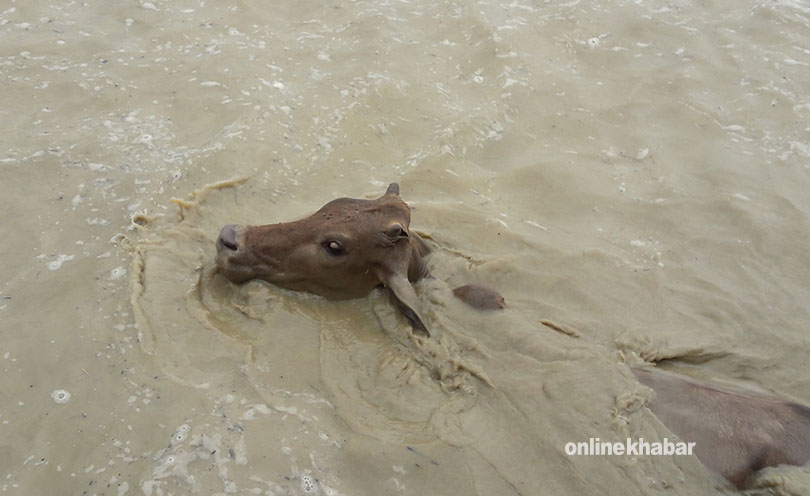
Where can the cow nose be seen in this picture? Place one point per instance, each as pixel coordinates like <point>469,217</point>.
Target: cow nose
<point>227,237</point>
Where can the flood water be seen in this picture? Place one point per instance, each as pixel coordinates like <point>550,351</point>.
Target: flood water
<point>633,174</point>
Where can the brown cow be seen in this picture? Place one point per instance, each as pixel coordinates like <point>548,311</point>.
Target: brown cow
<point>342,251</point>
<point>350,246</point>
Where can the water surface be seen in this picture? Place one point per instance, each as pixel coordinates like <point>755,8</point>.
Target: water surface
<point>635,173</point>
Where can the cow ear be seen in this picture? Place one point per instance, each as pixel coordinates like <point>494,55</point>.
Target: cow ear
<point>406,300</point>
<point>417,268</point>
<point>393,189</point>
<point>403,295</point>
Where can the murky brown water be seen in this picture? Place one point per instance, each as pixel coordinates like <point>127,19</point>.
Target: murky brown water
<point>635,173</point>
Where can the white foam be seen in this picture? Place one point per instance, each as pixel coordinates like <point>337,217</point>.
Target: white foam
<point>60,259</point>
<point>60,396</point>
<point>307,484</point>
<point>535,224</point>
<point>117,273</point>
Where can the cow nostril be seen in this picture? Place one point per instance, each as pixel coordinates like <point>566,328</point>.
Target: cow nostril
<point>227,237</point>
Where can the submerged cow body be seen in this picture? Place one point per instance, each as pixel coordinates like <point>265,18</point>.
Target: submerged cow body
<point>736,432</point>
<point>350,246</point>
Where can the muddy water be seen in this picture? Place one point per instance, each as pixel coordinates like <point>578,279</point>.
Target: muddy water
<point>633,174</point>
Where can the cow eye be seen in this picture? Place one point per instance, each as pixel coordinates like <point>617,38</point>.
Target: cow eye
<point>396,231</point>
<point>334,247</point>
